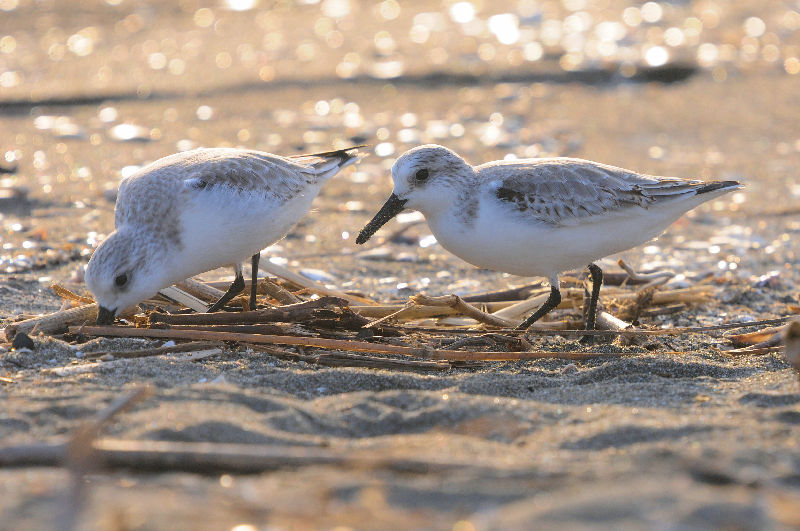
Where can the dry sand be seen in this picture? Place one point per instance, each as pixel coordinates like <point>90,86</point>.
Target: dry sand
<point>697,440</point>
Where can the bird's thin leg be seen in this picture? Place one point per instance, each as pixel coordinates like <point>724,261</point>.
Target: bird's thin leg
<point>597,280</point>
<point>552,301</point>
<point>254,279</point>
<point>235,288</point>
<point>591,315</point>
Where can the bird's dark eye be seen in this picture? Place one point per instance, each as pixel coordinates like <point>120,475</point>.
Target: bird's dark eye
<point>121,280</point>
<point>421,175</point>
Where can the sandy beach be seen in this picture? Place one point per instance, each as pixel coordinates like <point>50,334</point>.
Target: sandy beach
<point>677,434</point>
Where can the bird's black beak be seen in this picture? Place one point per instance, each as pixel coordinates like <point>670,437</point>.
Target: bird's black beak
<point>393,206</point>
<point>105,316</point>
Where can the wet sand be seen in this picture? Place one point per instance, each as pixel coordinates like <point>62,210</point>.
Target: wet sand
<point>653,440</point>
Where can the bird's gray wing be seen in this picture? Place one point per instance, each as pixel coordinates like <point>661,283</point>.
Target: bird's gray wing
<point>250,172</point>
<point>564,191</point>
<point>145,197</point>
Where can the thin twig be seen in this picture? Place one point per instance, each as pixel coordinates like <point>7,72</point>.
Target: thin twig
<point>753,351</point>
<point>457,303</point>
<point>336,344</point>
<point>68,295</point>
<point>420,312</point>
<point>520,293</point>
<point>291,313</point>
<point>200,289</point>
<point>79,455</point>
<point>392,315</point>
<point>277,292</point>
<point>204,458</point>
<point>658,332</point>
<point>183,298</point>
<point>759,336</point>
<point>339,359</point>
<point>644,277</point>
<point>53,323</point>
<point>158,351</point>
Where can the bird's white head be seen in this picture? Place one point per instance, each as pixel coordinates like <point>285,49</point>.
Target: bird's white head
<point>122,272</point>
<point>427,178</point>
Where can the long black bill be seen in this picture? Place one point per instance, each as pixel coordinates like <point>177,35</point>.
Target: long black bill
<point>393,206</point>
<point>105,316</point>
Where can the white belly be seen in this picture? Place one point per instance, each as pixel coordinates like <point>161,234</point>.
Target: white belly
<point>503,242</point>
<point>230,229</point>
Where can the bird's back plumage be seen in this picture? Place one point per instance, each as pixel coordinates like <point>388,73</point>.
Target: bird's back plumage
<point>567,191</point>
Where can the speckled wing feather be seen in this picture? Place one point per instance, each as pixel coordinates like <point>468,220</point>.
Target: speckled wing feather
<point>563,191</point>
<point>202,170</point>
<point>248,171</point>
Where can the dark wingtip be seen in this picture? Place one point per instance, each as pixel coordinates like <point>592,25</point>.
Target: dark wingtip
<point>717,185</point>
<point>343,154</point>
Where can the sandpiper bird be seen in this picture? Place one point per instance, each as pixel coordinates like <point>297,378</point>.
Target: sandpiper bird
<point>537,217</point>
<point>195,211</point>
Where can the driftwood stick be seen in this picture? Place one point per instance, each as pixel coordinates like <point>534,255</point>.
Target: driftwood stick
<point>457,303</point>
<point>606,321</point>
<point>336,320</point>
<point>243,328</point>
<point>55,322</point>
<point>66,294</point>
<point>289,314</point>
<point>644,277</point>
<point>338,359</point>
<point>207,458</point>
<point>277,292</point>
<point>774,341</point>
<point>79,455</point>
<point>334,344</point>
<point>553,327</point>
<point>183,298</point>
<point>515,312</point>
<point>392,315</point>
<point>752,338</point>
<point>520,293</point>
<point>753,351</point>
<point>121,331</point>
<point>200,290</point>
<point>158,351</point>
<point>420,312</point>
<point>561,331</point>
<point>93,428</point>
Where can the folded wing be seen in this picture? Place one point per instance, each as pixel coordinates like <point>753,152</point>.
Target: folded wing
<point>566,191</point>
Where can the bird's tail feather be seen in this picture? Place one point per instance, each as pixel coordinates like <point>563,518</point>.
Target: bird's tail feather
<point>327,163</point>
<point>717,185</point>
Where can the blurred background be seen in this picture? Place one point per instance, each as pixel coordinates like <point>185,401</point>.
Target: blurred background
<point>90,91</point>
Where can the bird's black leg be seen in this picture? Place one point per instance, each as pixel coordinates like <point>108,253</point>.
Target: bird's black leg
<point>254,279</point>
<point>552,301</point>
<point>591,316</point>
<point>235,288</point>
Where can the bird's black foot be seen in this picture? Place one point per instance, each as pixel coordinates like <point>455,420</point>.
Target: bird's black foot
<point>552,301</point>
<point>591,315</point>
<point>235,288</point>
